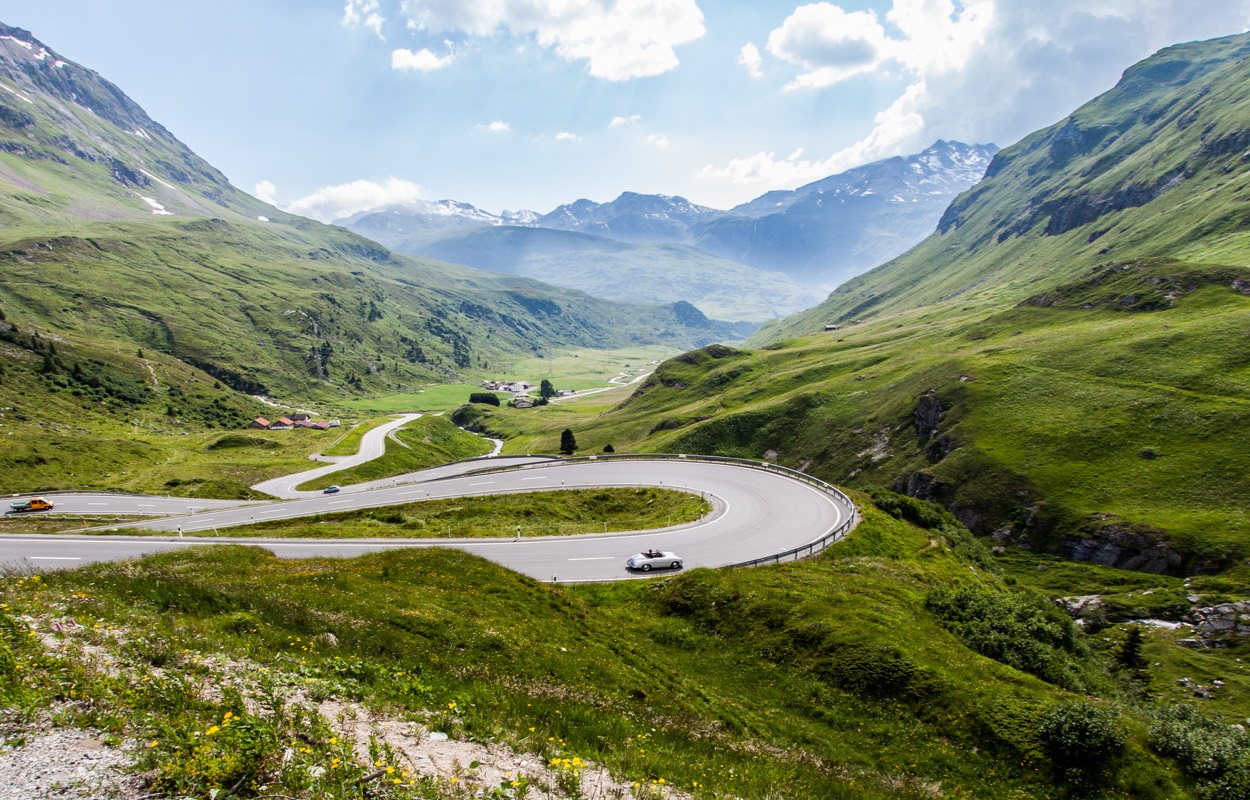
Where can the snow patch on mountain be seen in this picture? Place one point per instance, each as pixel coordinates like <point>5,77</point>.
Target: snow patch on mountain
<point>157,208</point>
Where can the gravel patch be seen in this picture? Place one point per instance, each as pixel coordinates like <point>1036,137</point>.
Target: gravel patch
<point>66,763</point>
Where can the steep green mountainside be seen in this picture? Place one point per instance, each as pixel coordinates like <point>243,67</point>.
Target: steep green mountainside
<point>1064,365</point>
<point>1154,167</point>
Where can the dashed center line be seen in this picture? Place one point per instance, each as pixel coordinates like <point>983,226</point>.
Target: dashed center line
<point>483,483</point>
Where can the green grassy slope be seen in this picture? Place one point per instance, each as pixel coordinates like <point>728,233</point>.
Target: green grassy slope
<point>1150,168</point>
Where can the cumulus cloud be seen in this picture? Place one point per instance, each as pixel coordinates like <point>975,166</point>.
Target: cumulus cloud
<point>618,40</point>
<point>975,70</point>
<point>659,140</point>
<point>617,122</point>
<point>566,136</point>
<point>363,14</point>
<point>423,60</point>
<point>749,57</point>
<point>829,44</point>
<point>336,202</point>
<point>266,192</point>
<point>496,126</point>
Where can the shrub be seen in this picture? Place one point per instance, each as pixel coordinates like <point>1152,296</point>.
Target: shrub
<point>1024,631</point>
<point>1078,735</point>
<point>487,398</point>
<point>1215,754</point>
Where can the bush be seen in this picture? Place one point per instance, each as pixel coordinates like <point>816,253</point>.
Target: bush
<point>1078,735</point>
<point>1215,754</point>
<point>1024,631</point>
<point>487,398</point>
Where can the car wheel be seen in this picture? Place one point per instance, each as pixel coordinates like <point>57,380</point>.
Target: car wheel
<point>645,567</point>
<point>676,565</point>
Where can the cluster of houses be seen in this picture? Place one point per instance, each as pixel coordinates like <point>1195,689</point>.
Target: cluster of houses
<point>516,387</point>
<point>292,421</point>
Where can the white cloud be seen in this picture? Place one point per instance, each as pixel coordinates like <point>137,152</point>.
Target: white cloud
<point>566,136</point>
<point>617,122</point>
<point>266,192</point>
<point>619,40</point>
<point>829,44</point>
<point>976,70</point>
<point>422,60</point>
<point>659,140</point>
<point>336,202</point>
<point>363,14</point>
<point>496,126</point>
<point>749,57</point>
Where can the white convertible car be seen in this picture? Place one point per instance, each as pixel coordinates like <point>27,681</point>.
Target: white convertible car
<point>654,559</point>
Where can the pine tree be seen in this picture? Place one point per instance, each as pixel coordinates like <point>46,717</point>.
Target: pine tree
<point>545,389</point>
<point>568,442</point>
<point>1130,655</point>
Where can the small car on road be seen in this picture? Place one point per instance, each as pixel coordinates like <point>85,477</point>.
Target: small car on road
<point>330,490</point>
<point>654,559</point>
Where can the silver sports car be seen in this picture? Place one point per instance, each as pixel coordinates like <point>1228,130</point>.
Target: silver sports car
<point>654,559</point>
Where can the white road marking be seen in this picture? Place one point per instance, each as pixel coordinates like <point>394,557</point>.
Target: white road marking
<point>97,504</point>
<point>535,478</point>
<point>339,502</point>
<point>484,483</point>
<point>418,491</point>
<point>596,558</point>
<point>52,558</point>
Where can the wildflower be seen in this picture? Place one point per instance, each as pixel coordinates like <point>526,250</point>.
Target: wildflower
<point>211,731</point>
<point>152,743</point>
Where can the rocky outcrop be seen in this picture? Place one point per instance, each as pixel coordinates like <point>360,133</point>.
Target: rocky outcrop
<point>928,416</point>
<point>1115,544</point>
<point>1219,626</point>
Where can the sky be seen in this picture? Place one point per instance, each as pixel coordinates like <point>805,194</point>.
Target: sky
<point>329,107</point>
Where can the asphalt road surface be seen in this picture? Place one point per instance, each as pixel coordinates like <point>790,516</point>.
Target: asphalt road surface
<point>756,513</point>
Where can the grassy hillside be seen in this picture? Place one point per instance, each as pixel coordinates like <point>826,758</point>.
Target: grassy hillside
<point>1151,168</point>
<point>855,674</point>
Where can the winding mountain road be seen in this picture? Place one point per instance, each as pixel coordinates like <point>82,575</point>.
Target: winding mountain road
<point>757,512</point>
<point>372,445</point>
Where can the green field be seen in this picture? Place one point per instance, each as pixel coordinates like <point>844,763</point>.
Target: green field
<point>569,512</point>
<point>434,397</point>
<point>578,368</point>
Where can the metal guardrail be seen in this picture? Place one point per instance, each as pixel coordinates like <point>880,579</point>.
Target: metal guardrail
<point>832,536</point>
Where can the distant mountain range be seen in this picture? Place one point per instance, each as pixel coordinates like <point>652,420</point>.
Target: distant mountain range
<point>774,255</point>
